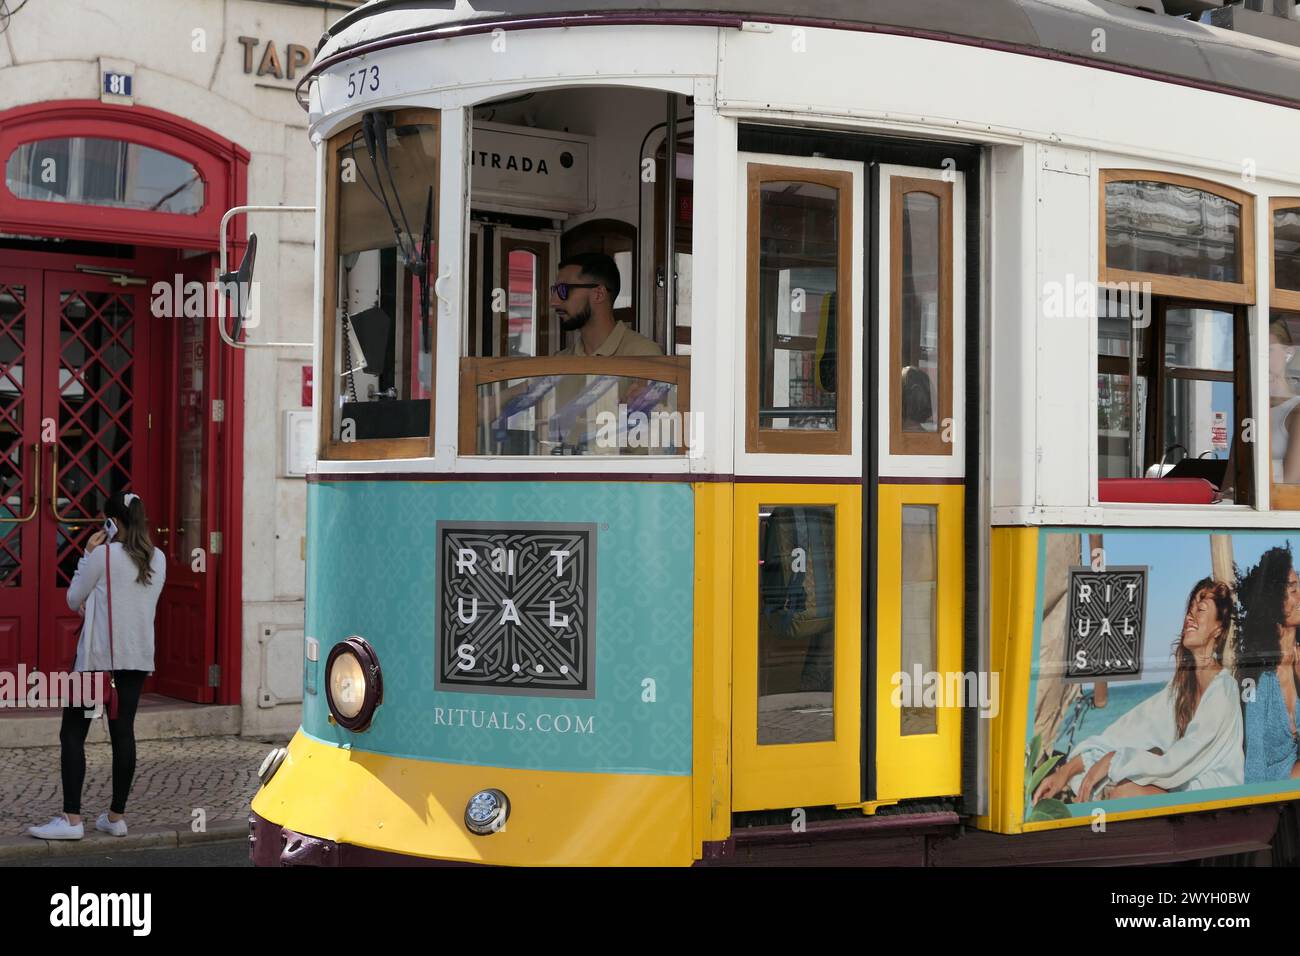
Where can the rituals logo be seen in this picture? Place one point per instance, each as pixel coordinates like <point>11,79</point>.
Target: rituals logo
<point>76,909</point>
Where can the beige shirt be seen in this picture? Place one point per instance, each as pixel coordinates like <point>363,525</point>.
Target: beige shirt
<point>622,340</point>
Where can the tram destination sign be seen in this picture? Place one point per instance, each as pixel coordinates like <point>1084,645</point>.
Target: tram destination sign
<point>516,608</point>
<point>1105,621</point>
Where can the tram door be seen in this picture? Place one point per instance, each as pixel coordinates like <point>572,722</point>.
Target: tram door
<point>921,428</point>
<point>797,625</point>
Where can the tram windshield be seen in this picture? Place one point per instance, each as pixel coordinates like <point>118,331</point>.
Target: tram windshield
<point>378,281</point>
<point>577,317</point>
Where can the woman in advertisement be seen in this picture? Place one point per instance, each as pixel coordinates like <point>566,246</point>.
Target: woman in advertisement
<point>1184,737</point>
<point>1270,597</point>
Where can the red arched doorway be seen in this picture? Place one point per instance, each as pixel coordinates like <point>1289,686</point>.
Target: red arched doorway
<point>108,383</point>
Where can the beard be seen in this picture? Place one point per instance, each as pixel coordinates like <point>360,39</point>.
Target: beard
<point>577,320</point>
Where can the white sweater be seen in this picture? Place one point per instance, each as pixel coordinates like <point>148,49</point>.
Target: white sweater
<point>133,610</point>
<point>1208,754</point>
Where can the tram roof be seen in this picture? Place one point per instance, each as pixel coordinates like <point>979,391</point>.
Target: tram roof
<point>1136,41</point>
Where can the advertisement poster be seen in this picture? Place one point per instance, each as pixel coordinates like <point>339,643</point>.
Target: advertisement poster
<point>1164,670</point>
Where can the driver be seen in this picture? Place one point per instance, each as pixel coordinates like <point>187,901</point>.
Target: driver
<point>583,300</point>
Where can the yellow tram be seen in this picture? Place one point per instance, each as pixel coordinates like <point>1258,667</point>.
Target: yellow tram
<point>754,436</point>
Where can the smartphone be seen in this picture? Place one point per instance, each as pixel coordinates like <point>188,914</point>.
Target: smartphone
<point>110,529</point>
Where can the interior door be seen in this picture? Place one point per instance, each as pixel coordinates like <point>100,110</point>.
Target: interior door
<point>186,516</point>
<point>20,465</point>
<point>96,379</point>
<point>920,687</point>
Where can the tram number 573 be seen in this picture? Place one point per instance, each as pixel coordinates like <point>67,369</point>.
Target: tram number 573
<point>358,80</point>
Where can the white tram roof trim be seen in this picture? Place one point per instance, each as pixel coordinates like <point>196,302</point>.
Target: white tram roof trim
<point>1135,40</point>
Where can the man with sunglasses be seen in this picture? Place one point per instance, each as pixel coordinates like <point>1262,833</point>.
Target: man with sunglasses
<point>583,300</point>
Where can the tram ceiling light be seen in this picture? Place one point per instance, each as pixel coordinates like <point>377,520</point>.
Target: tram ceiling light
<point>354,684</point>
<point>487,812</point>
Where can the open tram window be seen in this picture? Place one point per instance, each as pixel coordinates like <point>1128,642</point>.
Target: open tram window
<point>381,206</point>
<point>566,350</point>
<point>1173,347</point>
<point>1190,409</point>
<point>800,243</point>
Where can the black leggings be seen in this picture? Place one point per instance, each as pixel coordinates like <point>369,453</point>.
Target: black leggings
<point>72,737</point>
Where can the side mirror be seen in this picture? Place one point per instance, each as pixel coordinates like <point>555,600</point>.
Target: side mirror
<point>239,286</point>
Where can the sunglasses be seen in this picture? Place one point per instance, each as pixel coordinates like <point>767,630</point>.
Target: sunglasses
<point>561,289</point>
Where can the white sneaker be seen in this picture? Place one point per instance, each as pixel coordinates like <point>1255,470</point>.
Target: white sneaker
<point>58,829</point>
<point>115,827</point>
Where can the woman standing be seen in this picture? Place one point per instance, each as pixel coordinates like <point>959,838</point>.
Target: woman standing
<point>1185,737</point>
<point>123,554</point>
<point>1270,597</point>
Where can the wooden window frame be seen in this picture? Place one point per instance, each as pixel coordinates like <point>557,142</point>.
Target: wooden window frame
<point>904,442</point>
<point>475,371</point>
<point>1287,300</point>
<point>1235,293</point>
<point>798,441</point>
<point>369,449</point>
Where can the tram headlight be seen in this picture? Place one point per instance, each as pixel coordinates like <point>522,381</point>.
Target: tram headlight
<point>486,812</point>
<point>354,685</point>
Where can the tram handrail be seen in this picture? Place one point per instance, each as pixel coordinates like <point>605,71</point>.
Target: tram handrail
<point>36,491</point>
<point>221,319</point>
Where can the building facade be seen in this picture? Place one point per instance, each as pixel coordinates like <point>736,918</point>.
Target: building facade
<point>127,130</point>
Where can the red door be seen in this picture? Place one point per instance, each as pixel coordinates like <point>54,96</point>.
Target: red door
<point>98,395</point>
<point>20,461</point>
<point>188,513</point>
<point>95,391</point>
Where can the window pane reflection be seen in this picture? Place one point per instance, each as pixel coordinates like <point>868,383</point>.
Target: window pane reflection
<point>1286,249</point>
<point>1172,230</point>
<point>1199,416</point>
<point>920,637</point>
<point>796,623</point>
<point>919,297</point>
<point>104,172</point>
<point>521,336</point>
<point>798,280</point>
<point>1198,338</point>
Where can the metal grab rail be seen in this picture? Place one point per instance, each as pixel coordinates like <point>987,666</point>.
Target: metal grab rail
<point>36,492</point>
<point>54,495</point>
<point>221,318</point>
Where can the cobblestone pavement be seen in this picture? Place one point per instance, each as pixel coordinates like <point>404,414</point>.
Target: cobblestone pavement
<point>173,778</point>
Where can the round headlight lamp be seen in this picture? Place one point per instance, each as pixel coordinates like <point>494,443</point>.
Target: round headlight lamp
<point>354,685</point>
<point>486,812</point>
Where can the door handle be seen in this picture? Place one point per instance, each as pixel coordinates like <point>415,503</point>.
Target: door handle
<point>36,490</point>
<point>73,520</point>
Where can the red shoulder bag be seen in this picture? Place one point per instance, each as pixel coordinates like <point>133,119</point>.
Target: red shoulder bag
<point>104,680</point>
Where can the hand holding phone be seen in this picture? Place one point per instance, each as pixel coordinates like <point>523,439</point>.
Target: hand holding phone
<point>110,529</point>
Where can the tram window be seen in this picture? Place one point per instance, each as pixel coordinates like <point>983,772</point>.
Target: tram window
<point>1186,237</point>
<point>796,624</point>
<point>561,406</point>
<point>1286,246</point>
<point>1187,421</point>
<point>920,316</point>
<point>799,247</point>
<point>378,301</point>
<point>920,635</point>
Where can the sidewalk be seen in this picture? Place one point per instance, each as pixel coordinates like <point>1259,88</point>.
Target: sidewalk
<point>173,779</point>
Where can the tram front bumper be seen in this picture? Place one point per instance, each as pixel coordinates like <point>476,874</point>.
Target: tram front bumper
<point>327,805</point>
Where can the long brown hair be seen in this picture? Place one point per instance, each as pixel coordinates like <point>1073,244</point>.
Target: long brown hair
<point>1186,692</point>
<point>132,532</point>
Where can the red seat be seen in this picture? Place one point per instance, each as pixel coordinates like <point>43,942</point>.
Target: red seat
<point>1156,491</point>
